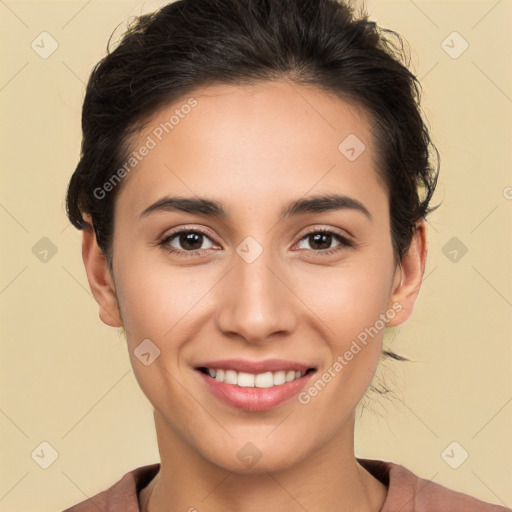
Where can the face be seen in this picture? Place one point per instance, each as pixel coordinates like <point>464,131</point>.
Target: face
<point>255,284</point>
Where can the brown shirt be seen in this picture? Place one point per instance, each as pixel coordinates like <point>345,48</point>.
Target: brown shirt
<point>406,492</point>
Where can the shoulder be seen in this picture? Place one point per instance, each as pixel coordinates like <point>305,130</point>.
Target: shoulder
<point>123,496</point>
<point>408,492</point>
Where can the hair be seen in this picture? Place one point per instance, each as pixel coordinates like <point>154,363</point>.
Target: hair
<point>187,44</point>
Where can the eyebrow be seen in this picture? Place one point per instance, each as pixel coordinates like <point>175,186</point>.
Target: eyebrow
<point>302,206</point>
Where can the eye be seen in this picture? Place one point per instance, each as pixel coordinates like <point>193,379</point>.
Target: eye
<point>321,240</point>
<point>190,240</point>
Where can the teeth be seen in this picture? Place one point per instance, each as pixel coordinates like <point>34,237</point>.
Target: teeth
<point>279,378</point>
<point>264,380</point>
<point>245,380</point>
<point>250,380</point>
<point>231,377</point>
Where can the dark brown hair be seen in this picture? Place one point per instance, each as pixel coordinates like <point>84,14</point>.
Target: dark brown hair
<point>191,43</point>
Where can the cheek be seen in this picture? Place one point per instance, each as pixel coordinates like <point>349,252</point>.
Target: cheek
<point>349,297</point>
<point>165,304</point>
<point>155,296</point>
<point>351,302</point>
<point>158,302</point>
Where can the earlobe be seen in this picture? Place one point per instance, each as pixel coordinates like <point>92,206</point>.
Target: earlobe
<point>99,276</point>
<point>409,275</point>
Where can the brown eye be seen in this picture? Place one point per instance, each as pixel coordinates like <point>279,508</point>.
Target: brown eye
<point>321,241</point>
<point>186,242</point>
<point>190,241</point>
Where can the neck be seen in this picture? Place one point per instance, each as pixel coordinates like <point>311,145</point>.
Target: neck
<point>328,480</point>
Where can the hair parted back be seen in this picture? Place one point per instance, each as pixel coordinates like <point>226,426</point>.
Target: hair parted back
<point>187,44</point>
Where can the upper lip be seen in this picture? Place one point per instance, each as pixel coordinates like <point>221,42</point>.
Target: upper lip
<point>256,367</point>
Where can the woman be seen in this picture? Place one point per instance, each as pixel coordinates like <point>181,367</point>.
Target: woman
<point>253,186</point>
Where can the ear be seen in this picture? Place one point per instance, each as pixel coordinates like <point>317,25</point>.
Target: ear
<point>408,276</point>
<point>99,276</point>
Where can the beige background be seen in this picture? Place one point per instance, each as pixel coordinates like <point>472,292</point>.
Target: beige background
<point>65,377</point>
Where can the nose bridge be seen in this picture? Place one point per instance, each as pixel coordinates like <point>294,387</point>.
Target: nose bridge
<point>254,302</point>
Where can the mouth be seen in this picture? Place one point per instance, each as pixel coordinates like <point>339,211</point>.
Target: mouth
<point>251,380</point>
<point>254,386</point>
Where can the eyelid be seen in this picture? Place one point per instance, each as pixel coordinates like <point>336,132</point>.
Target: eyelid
<point>345,241</point>
<point>176,231</point>
<point>343,233</point>
<point>163,240</point>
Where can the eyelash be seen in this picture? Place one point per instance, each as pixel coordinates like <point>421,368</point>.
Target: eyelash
<point>344,242</point>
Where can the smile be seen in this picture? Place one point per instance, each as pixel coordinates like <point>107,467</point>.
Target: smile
<point>254,385</point>
<point>251,380</point>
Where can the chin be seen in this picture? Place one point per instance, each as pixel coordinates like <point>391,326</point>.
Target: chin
<point>243,456</point>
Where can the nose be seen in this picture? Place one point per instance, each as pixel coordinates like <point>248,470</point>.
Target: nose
<point>257,301</point>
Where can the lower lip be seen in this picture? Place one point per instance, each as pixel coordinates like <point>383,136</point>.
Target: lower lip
<point>255,399</point>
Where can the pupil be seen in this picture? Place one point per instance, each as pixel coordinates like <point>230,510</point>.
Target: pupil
<point>189,240</point>
<point>318,237</point>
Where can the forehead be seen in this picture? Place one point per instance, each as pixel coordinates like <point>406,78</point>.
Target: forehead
<point>253,140</point>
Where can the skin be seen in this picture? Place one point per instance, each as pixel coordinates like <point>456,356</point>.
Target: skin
<point>271,143</point>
